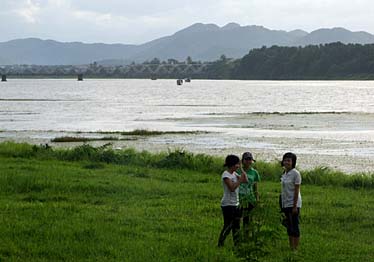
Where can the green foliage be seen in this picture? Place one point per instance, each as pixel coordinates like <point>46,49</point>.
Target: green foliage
<point>220,69</point>
<point>145,132</point>
<point>264,229</point>
<point>18,149</point>
<point>65,139</point>
<point>269,170</point>
<point>179,159</point>
<point>327,176</point>
<point>329,61</point>
<point>186,160</point>
<point>54,210</point>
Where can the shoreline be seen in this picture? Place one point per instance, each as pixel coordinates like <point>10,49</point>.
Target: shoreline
<point>323,127</point>
<point>268,149</point>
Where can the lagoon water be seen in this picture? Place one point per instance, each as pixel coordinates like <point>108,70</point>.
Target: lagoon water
<point>328,123</point>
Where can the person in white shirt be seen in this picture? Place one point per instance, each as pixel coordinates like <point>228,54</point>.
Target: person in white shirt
<point>230,200</point>
<point>291,198</point>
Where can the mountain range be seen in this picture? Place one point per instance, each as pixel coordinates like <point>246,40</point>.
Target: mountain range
<point>202,42</point>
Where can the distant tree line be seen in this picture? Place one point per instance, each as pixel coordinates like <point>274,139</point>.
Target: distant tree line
<point>328,61</point>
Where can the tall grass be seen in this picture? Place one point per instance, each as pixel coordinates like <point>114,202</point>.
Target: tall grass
<point>264,229</point>
<point>327,176</point>
<point>84,209</point>
<point>179,159</point>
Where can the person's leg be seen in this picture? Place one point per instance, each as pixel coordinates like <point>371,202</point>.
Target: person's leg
<point>290,241</point>
<point>227,224</point>
<point>236,226</point>
<point>246,220</point>
<point>246,226</point>
<point>296,241</point>
<point>293,229</point>
<point>290,231</point>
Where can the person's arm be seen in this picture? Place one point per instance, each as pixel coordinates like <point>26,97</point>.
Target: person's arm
<point>255,188</point>
<point>233,185</point>
<point>243,175</point>
<point>295,199</point>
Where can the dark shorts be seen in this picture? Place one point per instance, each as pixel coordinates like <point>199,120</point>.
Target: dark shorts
<point>292,222</point>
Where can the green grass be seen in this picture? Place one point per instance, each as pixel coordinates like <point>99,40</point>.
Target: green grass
<point>67,205</point>
<point>180,159</point>
<point>136,133</point>
<point>65,139</point>
<point>69,139</point>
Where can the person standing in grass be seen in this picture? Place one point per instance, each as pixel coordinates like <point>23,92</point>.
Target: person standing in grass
<point>291,198</point>
<point>230,200</point>
<point>248,191</point>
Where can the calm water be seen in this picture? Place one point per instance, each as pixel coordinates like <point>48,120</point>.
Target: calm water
<point>332,118</point>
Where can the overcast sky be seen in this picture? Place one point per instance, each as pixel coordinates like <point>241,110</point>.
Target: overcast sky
<point>139,21</point>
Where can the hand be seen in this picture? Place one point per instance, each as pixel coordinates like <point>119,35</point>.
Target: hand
<point>294,211</point>
<point>242,169</point>
<point>244,178</point>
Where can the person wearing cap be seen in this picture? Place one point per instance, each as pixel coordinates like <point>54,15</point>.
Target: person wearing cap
<point>230,200</point>
<point>291,198</point>
<point>248,191</point>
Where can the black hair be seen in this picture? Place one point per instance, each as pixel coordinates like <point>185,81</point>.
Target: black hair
<point>290,155</point>
<point>231,160</point>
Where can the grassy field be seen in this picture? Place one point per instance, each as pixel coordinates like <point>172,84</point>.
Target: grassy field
<point>56,207</point>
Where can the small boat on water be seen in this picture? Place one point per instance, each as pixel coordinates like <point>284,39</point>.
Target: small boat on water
<point>187,80</point>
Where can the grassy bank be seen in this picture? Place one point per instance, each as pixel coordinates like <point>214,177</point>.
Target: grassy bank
<point>90,203</point>
<point>179,159</point>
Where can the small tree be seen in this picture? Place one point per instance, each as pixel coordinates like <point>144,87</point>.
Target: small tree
<point>189,60</point>
<point>155,61</point>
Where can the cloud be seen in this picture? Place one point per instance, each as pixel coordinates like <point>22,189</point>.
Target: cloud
<point>129,21</point>
<point>29,12</point>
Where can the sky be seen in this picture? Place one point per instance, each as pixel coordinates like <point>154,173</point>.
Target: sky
<point>139,21</point>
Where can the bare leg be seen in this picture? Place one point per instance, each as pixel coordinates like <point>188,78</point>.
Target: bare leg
<point>296,241</point>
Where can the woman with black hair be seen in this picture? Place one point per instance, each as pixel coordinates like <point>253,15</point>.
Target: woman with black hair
<point>291,198</point>
<point>230,200</point>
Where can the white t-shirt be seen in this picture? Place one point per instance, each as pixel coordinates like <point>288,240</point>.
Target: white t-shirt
<point>230,198</point>
<point>289,180</point>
